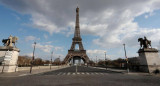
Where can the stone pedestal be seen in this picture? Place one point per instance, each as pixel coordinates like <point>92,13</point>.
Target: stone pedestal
<point>8,59</point>
<point>149,60</point>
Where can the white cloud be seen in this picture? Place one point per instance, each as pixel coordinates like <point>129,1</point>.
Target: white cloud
<point>31,38</point>
<point>16,16</point>
<point>45,36</point>
<point>41,22</point>
<point>97,54</point>
<point>44,48</point>
<point>111,20</point>
<point>58,48</point>
<point>47,48</point>
<point>49,42</point>
<point>146,16</point>
<point>149,14</point>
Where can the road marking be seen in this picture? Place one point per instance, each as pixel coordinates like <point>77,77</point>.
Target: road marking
<point>78,73</point>
<point>59,73</point>
<point>92,73</point>
<point>73,73</point>
<point>23,74</point>
<point>68,73</point>
<point>63,73</point>
<point>96,73</point>
<point>101,73</point>
<point>87,73</point>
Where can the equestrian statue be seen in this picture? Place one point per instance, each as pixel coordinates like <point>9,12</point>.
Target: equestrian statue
<point>144,43</point>
<point>9,41</point>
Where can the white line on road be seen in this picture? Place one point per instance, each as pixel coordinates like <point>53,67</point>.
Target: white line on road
<point>59,73</point>
<point>92,73</point>
<point>63,73</point>
<point>96,73</point>
<point>23,74</point>
<point>73,73</point>
<point>101,73</point>
<point>68,73</point>
<point>87,73</point>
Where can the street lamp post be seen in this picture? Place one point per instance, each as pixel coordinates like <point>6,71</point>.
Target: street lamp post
<point>32,57</point>
<point>105,55</point>
<point>105,59</point>
<point>51,59</point>
<point>96,60</point>
<point>126,58</point>
<point>59,62</point>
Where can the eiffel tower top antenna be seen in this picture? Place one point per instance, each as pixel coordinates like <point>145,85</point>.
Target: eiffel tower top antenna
<point>77,27</point>
<point>77,3</point>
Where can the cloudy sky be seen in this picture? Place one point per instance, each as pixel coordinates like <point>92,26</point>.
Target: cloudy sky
<point>105,25</point>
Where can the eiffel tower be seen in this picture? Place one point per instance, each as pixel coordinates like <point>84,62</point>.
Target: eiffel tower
<point>74,54</point>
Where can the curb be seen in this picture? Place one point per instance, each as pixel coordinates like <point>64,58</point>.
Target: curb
<point>106,69</point>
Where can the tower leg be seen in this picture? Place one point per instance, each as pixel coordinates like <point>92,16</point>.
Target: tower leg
<point>79,62</point>
<point>73,61</point>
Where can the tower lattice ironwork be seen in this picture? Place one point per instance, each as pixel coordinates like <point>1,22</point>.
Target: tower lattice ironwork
<point>76,40</point>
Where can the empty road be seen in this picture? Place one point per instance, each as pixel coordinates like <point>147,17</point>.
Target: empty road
<point>81,76</point>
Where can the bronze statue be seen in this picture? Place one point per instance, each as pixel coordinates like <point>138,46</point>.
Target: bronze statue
<point>144,43</point>
<point>9,41</point>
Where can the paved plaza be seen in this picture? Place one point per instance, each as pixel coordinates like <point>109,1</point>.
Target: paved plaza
<point>82,76</point>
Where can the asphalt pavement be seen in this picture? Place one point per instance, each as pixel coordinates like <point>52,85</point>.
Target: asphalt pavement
<point>81,76</point>
<point>79,70</point>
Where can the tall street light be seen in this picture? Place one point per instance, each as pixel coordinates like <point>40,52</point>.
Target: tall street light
<point>126,58</point>
<point>105,59</point>
<point>51,59</point>
<point>59,62</point>
<point>96,60</point>
<point>33,57</point>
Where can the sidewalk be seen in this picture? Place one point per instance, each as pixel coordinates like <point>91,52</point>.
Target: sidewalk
<point>26,71</point>
<point>125,72</point>
<point>110,69</point>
